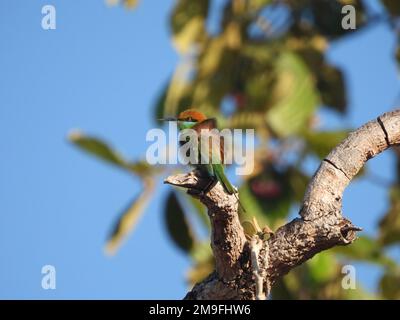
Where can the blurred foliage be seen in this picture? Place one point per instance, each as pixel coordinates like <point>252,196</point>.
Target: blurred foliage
<point>264,67</point>
<point>177,225</point>
<point>130,4</point>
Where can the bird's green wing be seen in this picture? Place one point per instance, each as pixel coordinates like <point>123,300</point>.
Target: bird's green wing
<point>216,165</point>
<point>219,173</point>
<point>214,155</point>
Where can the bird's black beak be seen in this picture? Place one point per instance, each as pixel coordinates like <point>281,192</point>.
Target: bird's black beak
<point>168,119</point>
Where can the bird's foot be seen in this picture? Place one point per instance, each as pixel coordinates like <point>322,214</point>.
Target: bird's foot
<point>196,193</point>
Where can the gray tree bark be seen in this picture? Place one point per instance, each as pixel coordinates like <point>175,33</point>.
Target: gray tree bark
<point>248,269</point>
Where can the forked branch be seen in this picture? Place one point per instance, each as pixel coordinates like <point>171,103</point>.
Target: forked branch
<point>321,224</point>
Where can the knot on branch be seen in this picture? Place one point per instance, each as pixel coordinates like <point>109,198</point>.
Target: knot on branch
<point>348,231</point>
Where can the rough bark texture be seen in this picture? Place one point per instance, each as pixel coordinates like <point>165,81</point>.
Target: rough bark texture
<point>242,265</point>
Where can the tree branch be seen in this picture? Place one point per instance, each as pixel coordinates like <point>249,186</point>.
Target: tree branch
<point>320,226</point>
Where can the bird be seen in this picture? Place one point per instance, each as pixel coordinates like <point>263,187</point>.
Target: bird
<point>214,168</point>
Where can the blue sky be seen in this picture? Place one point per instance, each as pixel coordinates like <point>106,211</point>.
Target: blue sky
<point>101,71</point>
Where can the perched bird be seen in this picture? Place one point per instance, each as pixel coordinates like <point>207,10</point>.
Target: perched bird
<point>214,168</point>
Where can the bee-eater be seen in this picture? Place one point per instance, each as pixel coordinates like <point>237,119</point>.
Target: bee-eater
<point>214,168</point>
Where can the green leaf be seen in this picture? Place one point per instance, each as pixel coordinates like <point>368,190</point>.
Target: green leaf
<point>211,58</point>
<point>253,208</point>
<point>249,228</point>
<point>103,151</point>
<point>129,218</point>
<point>188,23</point>
<point>143,168</point>
<point>177,226</point>
<point>322,142</point>
<point>322,267</point>
<point>330,80</point>
<point>295,96</point>
<point>98,148</point>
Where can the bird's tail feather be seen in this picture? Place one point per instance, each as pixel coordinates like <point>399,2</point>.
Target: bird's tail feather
<point>228,187</point>
<point>240,204</point>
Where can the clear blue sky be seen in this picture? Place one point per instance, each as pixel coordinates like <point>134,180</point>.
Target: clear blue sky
<point>101,70</point>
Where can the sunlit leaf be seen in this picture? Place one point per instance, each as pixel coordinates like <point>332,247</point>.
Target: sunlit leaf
<point>103,151</point>
<point>97,148</point>
<point>330,80</point>
<point>188,23</point>
<point>295,96</point>
<point>129,218</point>
<point>192,31</point>
<point>249,228</point>
<point>212,56</point>
<point>144,169</point>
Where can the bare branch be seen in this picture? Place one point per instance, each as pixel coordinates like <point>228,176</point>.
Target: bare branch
<point>227,235</point>
<point>320,226</point>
